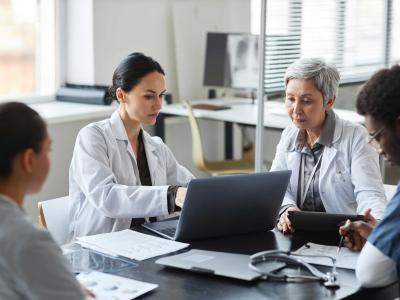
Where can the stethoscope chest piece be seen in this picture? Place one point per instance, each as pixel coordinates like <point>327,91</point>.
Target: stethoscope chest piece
<point>331,281</point>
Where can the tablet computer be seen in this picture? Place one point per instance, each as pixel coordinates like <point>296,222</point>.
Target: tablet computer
<point>320,221</point>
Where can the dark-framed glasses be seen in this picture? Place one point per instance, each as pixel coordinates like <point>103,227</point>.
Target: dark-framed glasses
<point>373,137</point>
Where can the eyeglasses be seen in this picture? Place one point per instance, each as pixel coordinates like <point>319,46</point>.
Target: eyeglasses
<point>373,138</point>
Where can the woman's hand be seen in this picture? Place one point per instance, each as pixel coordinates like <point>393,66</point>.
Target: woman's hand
<point>284,224</point>
<point>88,293</point>
<point>180,196</point>
<point>356,234</point>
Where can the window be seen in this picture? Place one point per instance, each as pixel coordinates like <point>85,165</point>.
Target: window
<point>27,48</point>
<point>357,35</point>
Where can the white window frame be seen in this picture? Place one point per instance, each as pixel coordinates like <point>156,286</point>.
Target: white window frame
<point>45,61</point>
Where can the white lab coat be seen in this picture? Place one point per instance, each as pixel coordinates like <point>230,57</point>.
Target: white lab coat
<point>349,180</point>
<point>105,191</point>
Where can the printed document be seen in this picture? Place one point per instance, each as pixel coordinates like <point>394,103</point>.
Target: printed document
<point>346,259</point>
<point>130,244</point>
<point>107,286</point>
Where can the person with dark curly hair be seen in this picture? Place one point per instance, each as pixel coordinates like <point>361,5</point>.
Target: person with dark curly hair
<point>379,261</point>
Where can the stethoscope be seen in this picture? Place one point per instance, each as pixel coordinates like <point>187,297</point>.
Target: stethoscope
<point>329,279</point>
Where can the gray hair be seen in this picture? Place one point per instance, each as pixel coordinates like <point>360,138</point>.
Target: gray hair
<point>325,76</point>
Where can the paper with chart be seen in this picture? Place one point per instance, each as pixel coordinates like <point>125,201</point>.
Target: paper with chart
<point>107,286</point>
<point>346,259</point>
<point>130,244</point>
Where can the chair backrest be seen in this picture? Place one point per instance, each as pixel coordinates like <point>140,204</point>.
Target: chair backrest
<point>197,146</point>
<point>53,214</point>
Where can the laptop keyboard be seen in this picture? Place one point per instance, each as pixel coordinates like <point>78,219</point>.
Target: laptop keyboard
<point>168,231</point>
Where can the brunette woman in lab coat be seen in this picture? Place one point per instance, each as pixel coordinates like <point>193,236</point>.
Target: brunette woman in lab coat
<point>120,176</point>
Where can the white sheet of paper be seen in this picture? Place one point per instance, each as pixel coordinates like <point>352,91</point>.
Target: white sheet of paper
<point>347,259</point>
<point>131,244</point>
<point>107,286</point>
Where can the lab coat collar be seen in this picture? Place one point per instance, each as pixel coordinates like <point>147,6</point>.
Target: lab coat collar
<point>117,126</point>
<point>328,139</point>
<point>119,131</point>
<point>338,129</point>
<point>328,155</point>
<point>330,151</point>
<point>152,158</point>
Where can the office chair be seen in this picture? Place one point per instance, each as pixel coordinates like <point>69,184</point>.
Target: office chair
<point>53,215</point>
<point>215,168</point>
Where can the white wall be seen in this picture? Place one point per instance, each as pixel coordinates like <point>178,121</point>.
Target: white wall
<point>99,33</point>
<point>192,20</point>
<point>125,26</point>
<point>171,31</point>
<point>79,60</point>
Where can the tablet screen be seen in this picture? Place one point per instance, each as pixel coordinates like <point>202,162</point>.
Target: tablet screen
<point>320,221</point>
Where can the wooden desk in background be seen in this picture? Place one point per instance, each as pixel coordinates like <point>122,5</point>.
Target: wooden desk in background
<point>241,112</point>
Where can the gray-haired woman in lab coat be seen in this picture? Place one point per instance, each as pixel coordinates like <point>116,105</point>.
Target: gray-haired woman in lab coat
<point>119,174</point>
<point>334,169</point>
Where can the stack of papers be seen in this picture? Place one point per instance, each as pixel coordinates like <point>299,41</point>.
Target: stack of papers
<point>130,244</point>
<point>106,286</point>
<point>346,259</point>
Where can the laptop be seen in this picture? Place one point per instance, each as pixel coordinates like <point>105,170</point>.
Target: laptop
<point>218,263</point>
<point>227,205</point>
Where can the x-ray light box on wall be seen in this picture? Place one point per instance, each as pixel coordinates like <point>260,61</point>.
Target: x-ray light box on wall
<point>231,60</point>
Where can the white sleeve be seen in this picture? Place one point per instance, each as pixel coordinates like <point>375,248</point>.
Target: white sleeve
<point>280,163</point>
<point>366,176</point>
<point>375,269</point>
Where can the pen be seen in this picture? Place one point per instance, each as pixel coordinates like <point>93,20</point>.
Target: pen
<point>340,244</point>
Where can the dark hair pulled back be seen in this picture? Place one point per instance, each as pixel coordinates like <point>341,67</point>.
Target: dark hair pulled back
<point>131,70</point>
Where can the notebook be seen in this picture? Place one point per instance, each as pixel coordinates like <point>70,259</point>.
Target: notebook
<point>227,205</point>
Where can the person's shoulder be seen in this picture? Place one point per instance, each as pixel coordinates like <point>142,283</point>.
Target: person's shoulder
<point>290,131</point>
<point>18,231</point>
<point>349,132</point>
<point>93,130</point>
<point>349,126</point>
<point>154,140</point>
<point>96,126</point>
<point>288,136</point>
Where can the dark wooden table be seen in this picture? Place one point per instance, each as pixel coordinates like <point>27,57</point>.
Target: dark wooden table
<point>181,284</point>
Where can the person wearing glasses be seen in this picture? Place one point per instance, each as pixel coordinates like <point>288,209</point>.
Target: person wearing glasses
<point>119,174</point>
<point>334,169</point>
<point>32,265</point>
<point>379,261</point>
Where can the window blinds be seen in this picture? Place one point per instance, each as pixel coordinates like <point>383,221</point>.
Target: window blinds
<point>359,36</point>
